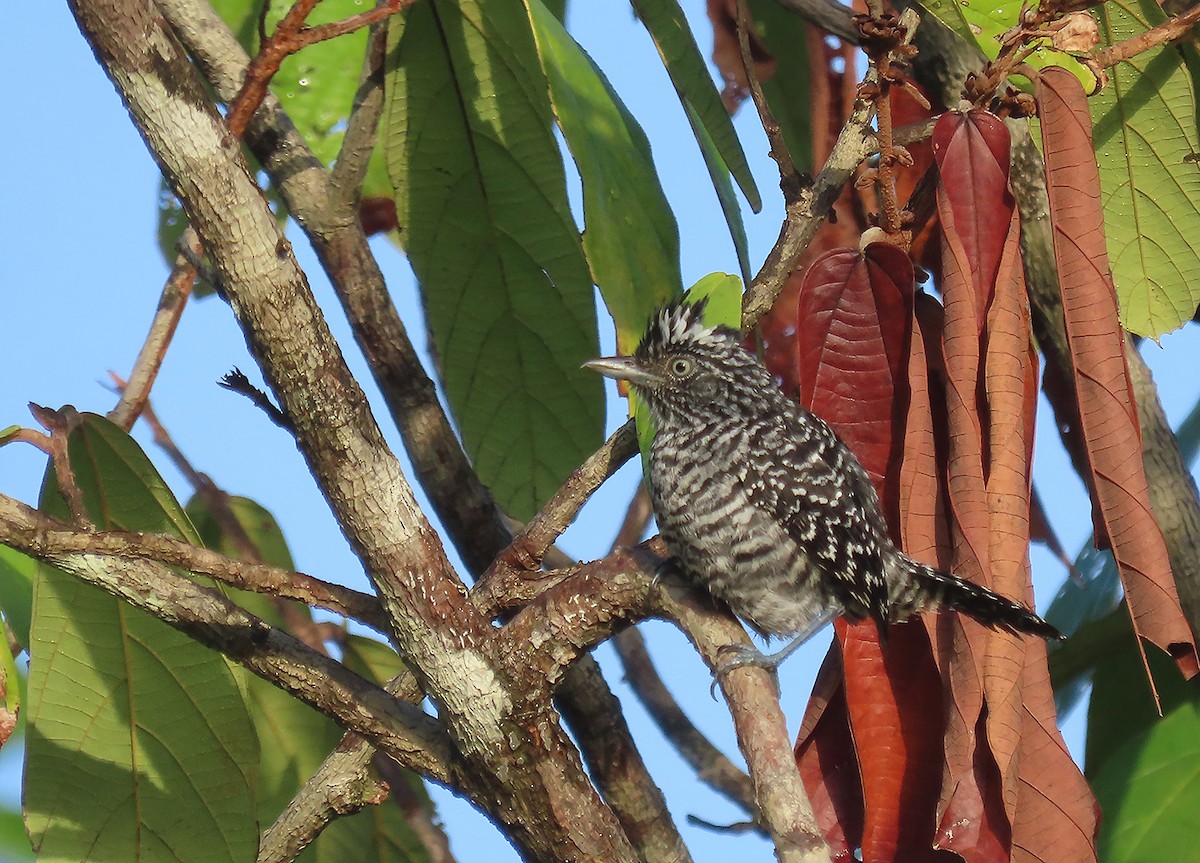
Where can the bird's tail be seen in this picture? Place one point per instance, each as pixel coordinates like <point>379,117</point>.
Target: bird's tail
<point>937,589</point>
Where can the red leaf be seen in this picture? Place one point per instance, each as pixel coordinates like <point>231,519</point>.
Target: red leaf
<point>828,763</point>
<point>1108,416</point>
<point>1056,817</point>
<point>974,201</point>
<point>895,702</point>
<point>377,215</point>
<point>852,328</point>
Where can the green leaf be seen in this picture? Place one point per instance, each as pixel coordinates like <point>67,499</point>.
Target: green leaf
<point>1146,145</point>
<point>630,236</point>
<point>719,174</point>
<point>789,91</point>
<point>710,122</point>
<point>724,295</point>
<point>8,431</point>
<point>294,738</point>
<point>16,591</point>
<point>14,844</point>
<point>316,85</point>
<point>140,744</point>
<point>482,207</point>
<point>983,23</point>
<point>1149,789</point>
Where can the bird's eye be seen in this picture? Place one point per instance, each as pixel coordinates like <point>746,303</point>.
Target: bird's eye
<point>681,367</point>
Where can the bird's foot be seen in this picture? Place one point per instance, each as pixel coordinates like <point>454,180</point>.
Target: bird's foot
<point>733,656</point>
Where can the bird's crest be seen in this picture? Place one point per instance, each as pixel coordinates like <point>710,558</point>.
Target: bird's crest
<point>682,323</point>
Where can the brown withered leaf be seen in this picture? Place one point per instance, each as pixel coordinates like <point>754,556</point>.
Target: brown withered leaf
<point>1056,817</point>
<point>1108,416</point>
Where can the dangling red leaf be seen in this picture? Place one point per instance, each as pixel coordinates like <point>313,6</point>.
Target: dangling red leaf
<point>1108,415</point>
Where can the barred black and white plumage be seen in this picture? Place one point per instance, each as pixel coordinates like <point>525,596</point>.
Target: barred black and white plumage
<point>762,503</point>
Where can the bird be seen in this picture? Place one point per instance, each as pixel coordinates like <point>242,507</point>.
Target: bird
<point>759,501</point>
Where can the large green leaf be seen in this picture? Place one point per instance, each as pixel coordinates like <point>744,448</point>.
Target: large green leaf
<point>482,207</point>
<point>14,844</point>
<point>1146,145</point>
<point>689,73</point>
<point>630,236</point>
<point>718,172</point>
<point>294,738</point>
<point>1149,789</point>
<point>140,744</point>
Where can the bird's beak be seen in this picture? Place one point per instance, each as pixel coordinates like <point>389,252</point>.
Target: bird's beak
<point>623,369</point>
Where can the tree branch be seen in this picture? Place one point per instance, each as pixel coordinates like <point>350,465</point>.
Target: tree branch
<point>1168,31</point>
<point>60,539</point>
<point>806,214</point>
<point>325,212</point>
<point>415,739</point>
<point>175,293</point>
<point>829,15</point>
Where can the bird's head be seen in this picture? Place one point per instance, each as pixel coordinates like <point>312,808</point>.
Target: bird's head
<point>682,364</point>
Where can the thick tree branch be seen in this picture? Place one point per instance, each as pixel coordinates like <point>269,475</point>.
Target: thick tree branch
<point>485,697</point>
<point>61,539</point>
<point>829,15</point>
<point>606,594</point>
<point>327,214</point>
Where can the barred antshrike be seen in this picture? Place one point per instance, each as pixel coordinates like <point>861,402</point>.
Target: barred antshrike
<point>760,502</point>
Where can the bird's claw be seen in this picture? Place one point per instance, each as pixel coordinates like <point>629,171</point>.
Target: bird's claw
<point>733,656</point>
<point>670,566</point>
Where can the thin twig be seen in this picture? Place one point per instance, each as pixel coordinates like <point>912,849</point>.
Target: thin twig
<point>30,436</point>
<point>525,552</point>
<point>290,36</point>
<point>236,381</point>
<point>175,294</point>
<point>789,178</point>
<point>348,171</point>
<point>263,67</point>
<point>806,215</point>
<point>60,423</point>
<point>1168,31</point>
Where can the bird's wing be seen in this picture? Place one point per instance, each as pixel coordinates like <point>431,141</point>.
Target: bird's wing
<point>808,480</point>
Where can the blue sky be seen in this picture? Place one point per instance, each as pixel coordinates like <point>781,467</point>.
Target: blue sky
<point>80,273</point>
